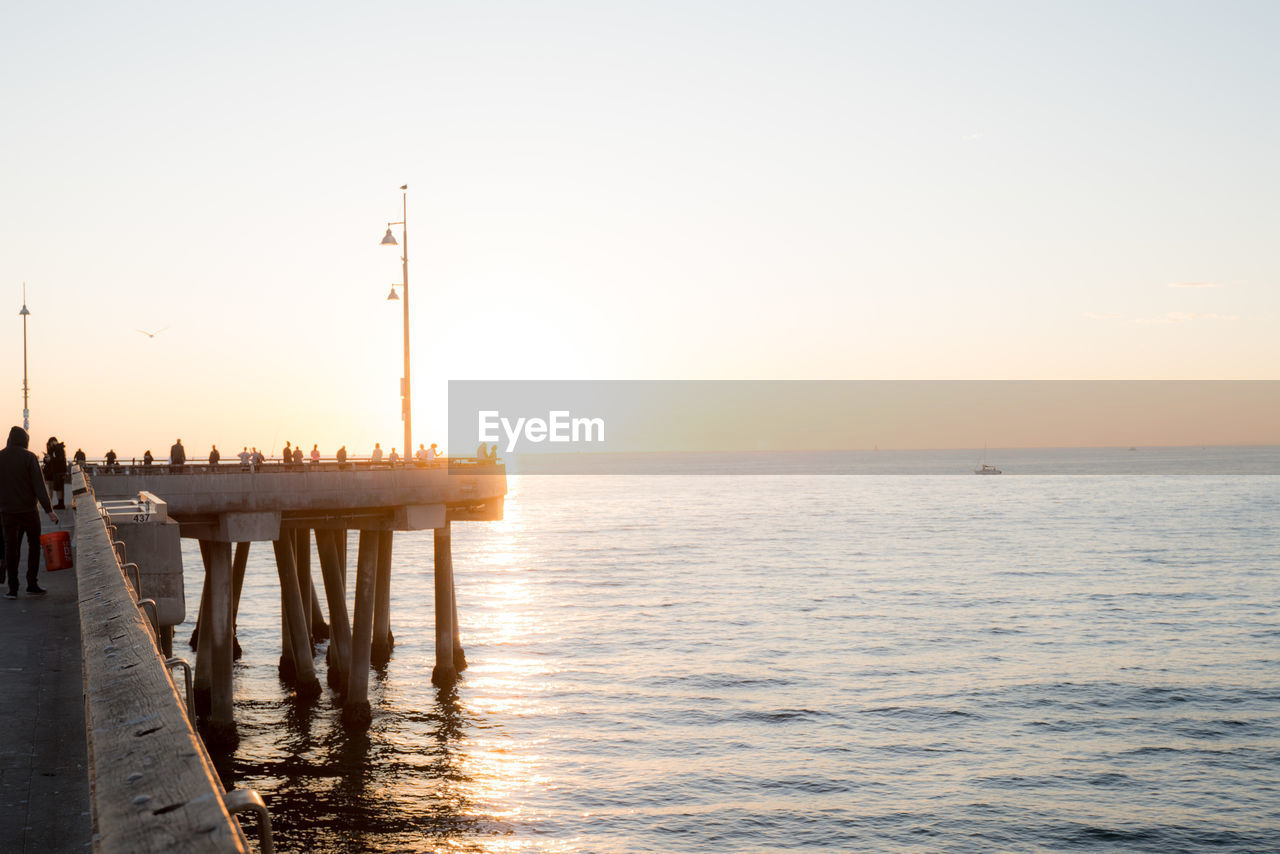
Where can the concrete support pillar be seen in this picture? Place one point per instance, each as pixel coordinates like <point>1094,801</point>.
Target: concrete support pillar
<point>288,671</point>
<point>342,556</point>
<point>335,593</point>
<point>319,628</point>
<point>382,639</point>
<point>355,707</point>
<point>220,728</point>
<point>166,641</point>
<point>295,617</point>
<point>238,566</point>
<point>302,558</point>
<point>459,656</point>
<point>444,673</point>
<point>204,651</point>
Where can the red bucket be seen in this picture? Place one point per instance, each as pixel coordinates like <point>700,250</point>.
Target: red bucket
<point>57,550</point>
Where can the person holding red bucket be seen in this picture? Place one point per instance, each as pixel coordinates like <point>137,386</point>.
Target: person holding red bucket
<point>21,488</point>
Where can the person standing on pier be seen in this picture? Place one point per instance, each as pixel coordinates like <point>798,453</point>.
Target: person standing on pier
<point>80,458</point>
<point>111,458</point>
<point>393,458</point>
<point>287,454</point>
<point>21,488</point>
<point>256,458</point>
<point>55,469</point>
<point>315,455</point>
<point>147,459</point>
<point>245,457</point>
<point>297,456</point>
<point>214,456</point>
<point>177,456</point>
<point>342,457</point>
<point>376,456</point>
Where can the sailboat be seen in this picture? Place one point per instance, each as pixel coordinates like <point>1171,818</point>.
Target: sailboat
<point>986,469</point>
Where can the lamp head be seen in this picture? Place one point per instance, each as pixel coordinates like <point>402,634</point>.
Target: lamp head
<point>393,294</point>
<point>389,239</point>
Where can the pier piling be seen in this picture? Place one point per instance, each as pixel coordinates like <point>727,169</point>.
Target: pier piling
<point>302,560</point>
<point>238,565</point>
<point>445,673</point>
<point>380,651</point>
<point>220,728</point>
<point>295,618</point>
<point>355,708</point>
<point>332,574</point>
<point>204,648</point>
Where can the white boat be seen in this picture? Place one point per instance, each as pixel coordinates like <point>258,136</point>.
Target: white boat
<point>984,468</point>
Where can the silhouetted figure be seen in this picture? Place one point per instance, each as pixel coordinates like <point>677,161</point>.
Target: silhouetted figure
<point>21,488</point>
<point>245,458</point>
<point>111,459</point>
<point>214,456</point>
<point>80,458</point>
<point>376,456</point>
<point>257,458</point>
<point>287,455</point>
<point>342,457</point>
<point>55,469</point>
<point>297,457</point>
<point>177,456</point>
<point>147,459</point>
<point>393,458</point>
<point>315,455</point>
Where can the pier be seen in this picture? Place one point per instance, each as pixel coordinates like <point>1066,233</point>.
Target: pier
<point>104,741</point>
<point>296,508</point>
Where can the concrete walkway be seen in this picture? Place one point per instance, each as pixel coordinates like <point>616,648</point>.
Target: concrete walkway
<point>44,780</point>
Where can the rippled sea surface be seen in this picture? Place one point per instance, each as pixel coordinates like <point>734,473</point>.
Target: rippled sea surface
<point>805,663</point>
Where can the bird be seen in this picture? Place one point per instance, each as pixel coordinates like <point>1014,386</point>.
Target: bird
<point>152,334</point>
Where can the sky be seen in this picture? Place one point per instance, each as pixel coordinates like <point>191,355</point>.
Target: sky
<point>693,190</point>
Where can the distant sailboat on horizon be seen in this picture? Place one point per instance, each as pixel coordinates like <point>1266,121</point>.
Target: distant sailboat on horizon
<point>986,469</point>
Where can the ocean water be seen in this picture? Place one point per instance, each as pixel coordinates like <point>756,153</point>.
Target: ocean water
<point>798,663</point>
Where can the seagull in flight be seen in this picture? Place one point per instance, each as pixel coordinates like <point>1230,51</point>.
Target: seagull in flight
<point>152,334</point>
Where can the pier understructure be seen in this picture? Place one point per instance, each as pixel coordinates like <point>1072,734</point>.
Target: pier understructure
<point>295,508</point>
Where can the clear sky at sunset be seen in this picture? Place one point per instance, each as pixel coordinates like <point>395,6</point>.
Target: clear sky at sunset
<point>691,190</point>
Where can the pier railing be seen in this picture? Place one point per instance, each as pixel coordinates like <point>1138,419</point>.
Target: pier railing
<point>152,786</point>
<point>234,466</point>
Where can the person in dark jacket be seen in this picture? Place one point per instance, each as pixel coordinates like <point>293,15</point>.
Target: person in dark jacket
<point>21,488</point>
<point>55,469</point>
<point>80,457</point>
<point>177,456</point>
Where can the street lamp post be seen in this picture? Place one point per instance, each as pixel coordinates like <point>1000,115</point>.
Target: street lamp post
<point>26,390</point>
<point>389,239</point>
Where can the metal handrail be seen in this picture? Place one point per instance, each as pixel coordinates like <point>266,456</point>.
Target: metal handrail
<point>149,607</point>
<point>248,800</point>
<point>189,694</point>
<point>135,577</point>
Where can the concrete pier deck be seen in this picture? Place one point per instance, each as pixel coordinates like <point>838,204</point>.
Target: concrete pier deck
<point>44,779</point>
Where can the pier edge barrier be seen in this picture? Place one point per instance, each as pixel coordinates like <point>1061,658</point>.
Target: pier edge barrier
<point>152,785</point>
